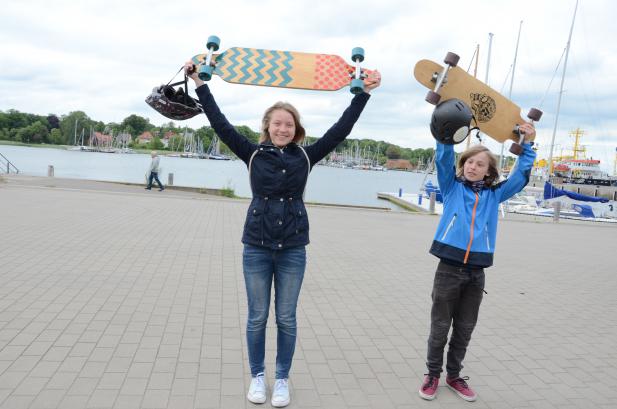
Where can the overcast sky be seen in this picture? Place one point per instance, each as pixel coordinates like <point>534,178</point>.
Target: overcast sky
<point>104,57</point>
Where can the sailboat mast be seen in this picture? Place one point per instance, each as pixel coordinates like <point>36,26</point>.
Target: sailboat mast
<point>488,57</point>
<point>475,67</point>
<point>520,27</point>
<point>75,133</point>
<point>488,66</point>
<point>475,75</point>
<point>563,76</point>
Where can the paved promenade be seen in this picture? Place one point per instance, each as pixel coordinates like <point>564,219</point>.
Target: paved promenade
<point>116,297</point>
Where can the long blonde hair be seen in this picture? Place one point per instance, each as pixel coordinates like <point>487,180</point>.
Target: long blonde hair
<point>493,171</point>
<point>285,106</point>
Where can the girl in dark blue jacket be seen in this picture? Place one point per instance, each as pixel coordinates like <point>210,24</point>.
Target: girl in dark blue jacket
<point>465,243</point>
<point>276,230</point>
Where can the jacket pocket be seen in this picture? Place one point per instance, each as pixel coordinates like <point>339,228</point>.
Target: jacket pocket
<point>301,219</point>
<point>254,219</point>
<point>449,227</point>
<point>488,242</point>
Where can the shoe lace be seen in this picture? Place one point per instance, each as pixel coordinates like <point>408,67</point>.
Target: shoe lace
<point>461,382</point>
<point>259,379</point>
<point>280,386</point>
<point>429,382</point>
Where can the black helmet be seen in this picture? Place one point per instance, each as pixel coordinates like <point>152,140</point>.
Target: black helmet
<point>173,104</point>
<point>451,121</point>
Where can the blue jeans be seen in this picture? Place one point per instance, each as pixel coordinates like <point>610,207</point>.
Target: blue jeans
<point>261,265</point>
<point>155,176</point>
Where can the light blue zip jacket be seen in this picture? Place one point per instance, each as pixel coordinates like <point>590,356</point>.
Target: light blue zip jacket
<point>458,241</point>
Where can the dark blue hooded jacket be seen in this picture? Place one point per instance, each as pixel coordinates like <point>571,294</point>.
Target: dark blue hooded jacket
<point>276,217</point>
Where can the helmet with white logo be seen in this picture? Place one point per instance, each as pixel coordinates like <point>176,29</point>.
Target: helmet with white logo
<point>451,121</point>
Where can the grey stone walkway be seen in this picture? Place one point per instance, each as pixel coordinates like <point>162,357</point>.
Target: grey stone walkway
<point>114,297</point>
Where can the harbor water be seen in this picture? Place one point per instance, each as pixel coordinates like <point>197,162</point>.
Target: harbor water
<point>326,184</point>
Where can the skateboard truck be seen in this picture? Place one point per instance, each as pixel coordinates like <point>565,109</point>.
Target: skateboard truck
<point>517,148</point>
<point>432,97</point>
<point>357,84</point>
<point>207,69</point>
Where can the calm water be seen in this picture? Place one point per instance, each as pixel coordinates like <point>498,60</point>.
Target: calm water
<point>326,184</point>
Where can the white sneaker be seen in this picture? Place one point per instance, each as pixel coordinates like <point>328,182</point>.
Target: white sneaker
<point>257,390</point>
<point>280,393</point>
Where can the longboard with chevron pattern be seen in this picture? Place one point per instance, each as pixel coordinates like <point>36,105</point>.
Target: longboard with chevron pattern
<point>285,69</point>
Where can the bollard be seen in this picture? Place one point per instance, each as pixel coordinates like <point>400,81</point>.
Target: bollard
<point>557,206</point>
<point>431,206</point>
<point>50,171</point>
<point>400,192</point>
<point>170,179</point>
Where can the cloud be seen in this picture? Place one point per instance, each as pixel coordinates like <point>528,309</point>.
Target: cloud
<point>104,57</point>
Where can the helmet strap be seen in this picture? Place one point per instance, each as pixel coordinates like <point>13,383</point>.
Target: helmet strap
<point>184,81</point>
<point>172,78</point>
<point>475,128</point>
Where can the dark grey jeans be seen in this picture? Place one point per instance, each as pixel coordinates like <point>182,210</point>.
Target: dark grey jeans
<point>457,294</point>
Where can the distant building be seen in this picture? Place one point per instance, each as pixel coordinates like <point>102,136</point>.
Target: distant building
<point>145,137</point>
<point>167,137</point>
<point>124,138</point>
<point>100,139</point>
<point>398,164</point>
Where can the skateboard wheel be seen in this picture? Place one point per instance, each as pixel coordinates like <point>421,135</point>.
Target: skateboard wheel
<point>357,86</point>
<point>213,42</point>
<point>534,114</point>
<point>357,54</point>
<point>205,72</point>
<point>451,59</point>
<point>432,97</point>
<point>516,149</point>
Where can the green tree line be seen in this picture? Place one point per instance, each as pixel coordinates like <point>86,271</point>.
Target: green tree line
<point>68,130</point>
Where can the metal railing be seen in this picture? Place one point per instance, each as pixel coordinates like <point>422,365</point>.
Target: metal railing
<point>6,166</point>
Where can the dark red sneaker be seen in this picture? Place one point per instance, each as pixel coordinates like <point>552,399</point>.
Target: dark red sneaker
<point>428,390</point>
<point>459,385</point>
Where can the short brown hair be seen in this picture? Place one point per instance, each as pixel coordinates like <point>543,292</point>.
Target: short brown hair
<point>285,106</point>
<point>493,170</point>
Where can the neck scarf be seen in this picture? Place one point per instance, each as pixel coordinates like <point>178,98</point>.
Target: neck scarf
<point>475,186</point>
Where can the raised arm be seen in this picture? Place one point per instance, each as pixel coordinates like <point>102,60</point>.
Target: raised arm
<point>342,128</point>
<point>446,171</point>
<point>519,176</point>
<point>238,144</point>
<point>339,131</point>
<point>226,131</point>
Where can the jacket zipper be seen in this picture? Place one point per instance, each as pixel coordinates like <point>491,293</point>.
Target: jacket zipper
<point>449,227</point>
<point>473,220</point>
